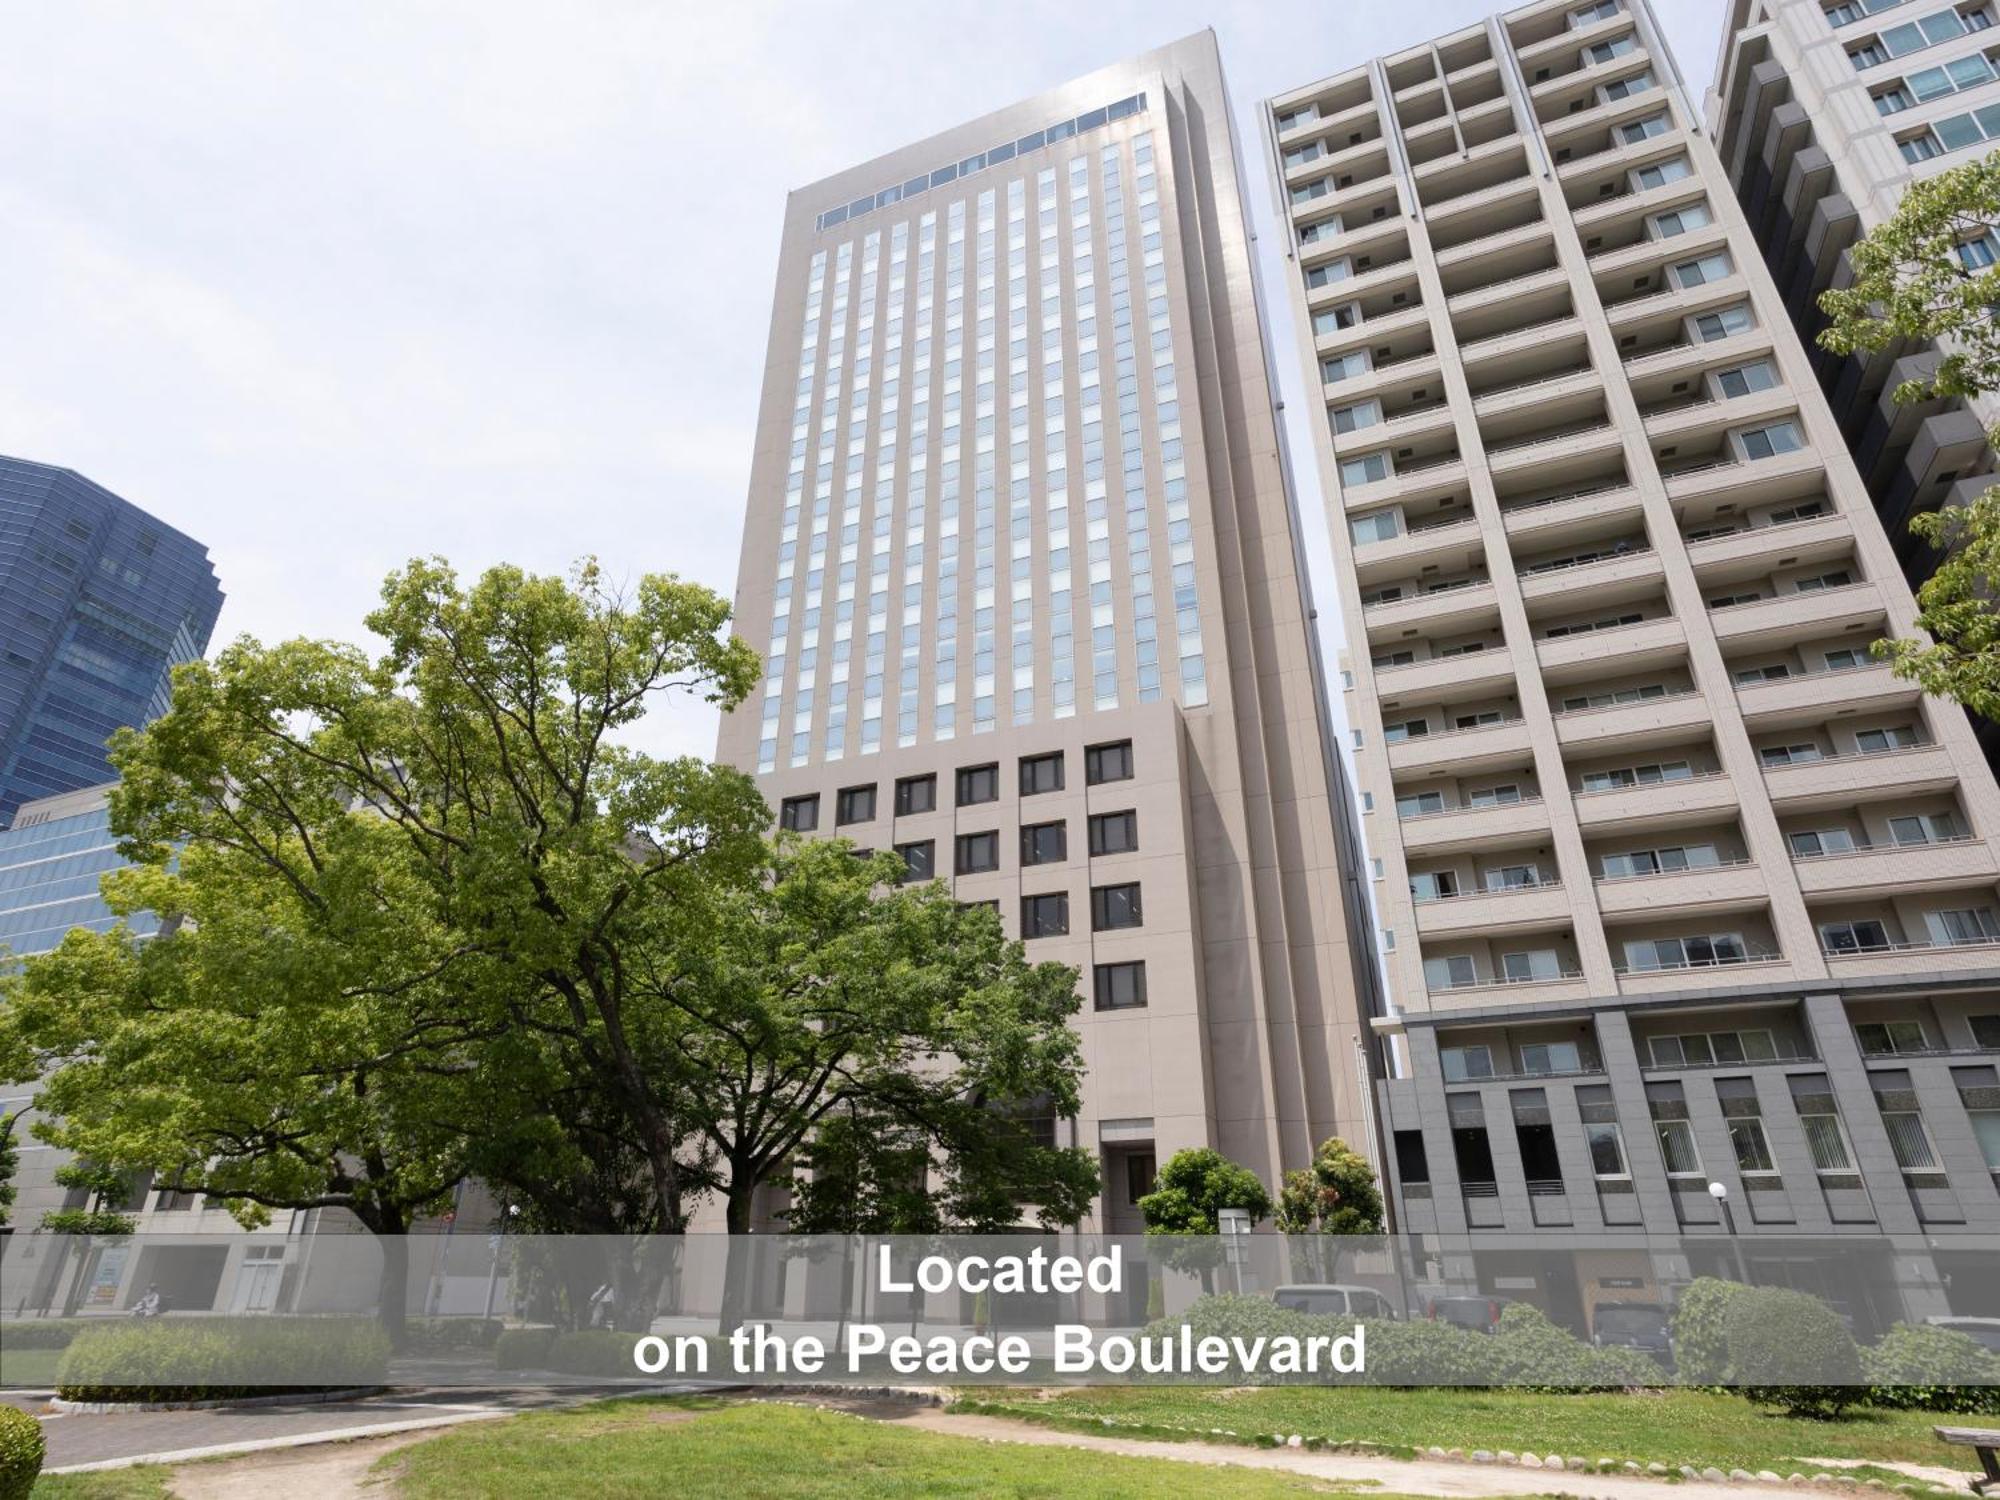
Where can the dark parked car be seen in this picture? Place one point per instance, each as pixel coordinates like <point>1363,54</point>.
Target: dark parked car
<point>1633,1325</point>
<point>1480,1314</point>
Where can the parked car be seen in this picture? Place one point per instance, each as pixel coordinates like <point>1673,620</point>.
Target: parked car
<point>1984,1332</point>
<point>1328,1299</point>
<point>1480,1314</point>
<point>1633,1325</point>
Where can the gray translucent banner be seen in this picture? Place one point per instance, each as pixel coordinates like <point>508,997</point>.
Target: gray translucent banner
<point>169,1315</point>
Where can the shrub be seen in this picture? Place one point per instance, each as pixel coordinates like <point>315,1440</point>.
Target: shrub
<point>21,1452</point>
<point>1421,1352</point>
<point>1918,1368</point>
<point>1790,1349</point>
<point>1700,1330</point>
<point>44,1333</point>
<point>451,1335</point>
<point>594,1351</point>
<point>1239,1315</point>
<point>523,1348</point>
<point>1531,1352</point>
<point>209,1359</point>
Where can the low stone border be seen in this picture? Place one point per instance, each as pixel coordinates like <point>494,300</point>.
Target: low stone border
<point>303,1398</point>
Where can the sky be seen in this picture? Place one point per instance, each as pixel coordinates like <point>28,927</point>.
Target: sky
<point>330,287</point>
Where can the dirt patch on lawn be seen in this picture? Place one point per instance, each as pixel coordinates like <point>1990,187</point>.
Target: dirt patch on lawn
<point>324,1471</point>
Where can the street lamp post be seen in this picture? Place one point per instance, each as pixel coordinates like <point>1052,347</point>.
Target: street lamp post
<point>1720,1193</point>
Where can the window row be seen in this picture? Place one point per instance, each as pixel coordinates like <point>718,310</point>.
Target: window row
<point>973,785</point>
<point>1112,909</point>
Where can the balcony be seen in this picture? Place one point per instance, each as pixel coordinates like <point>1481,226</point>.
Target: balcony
<point>1405,427</point>
<point>1710,889</point>
<point>1430,477</point>
<point>1518,908</point>
<point>1467,674</point>
<point>1575,378</point>
<point>1939,865</point>
<point>1592,578</point>
<point>1442,611</point>
<point>1914,959</point>
<point>1788,619</point>
<point>1538,521</point>
<point>1567,986</point>
<point>1841,780</point>
<point>1651,721</point>
<point>1806,697</point>
<point>1407,367</point>
<point>1757,966</point>
<point>1668,804</point>
<point>1484,169</point>
<point>1815,537</point>
<point>1611,650</point>
<point>1472,264</point>
<point>1572,442</point>
<point>1471,829</point>
<point>1452,548</point>
<point>1747,483</point>
<point>1464,751</point>
<point>1507,343</point>
<point>1539,278</point>
<point>1674,301</point>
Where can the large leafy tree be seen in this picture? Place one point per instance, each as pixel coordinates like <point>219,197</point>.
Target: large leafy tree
<point>1915,283</point>
<point>408,890</point>
<point>1186,1205</point>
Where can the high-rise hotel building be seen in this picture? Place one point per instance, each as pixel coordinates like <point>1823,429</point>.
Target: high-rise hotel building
<point>1676,885</point>
<point>1822,115</point>
<point>1022,561</point>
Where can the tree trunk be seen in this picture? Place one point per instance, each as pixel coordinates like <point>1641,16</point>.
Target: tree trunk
<point>393,1310</point>
<point>737,1267</point>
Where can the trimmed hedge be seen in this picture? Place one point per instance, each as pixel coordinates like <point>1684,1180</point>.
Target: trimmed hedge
<point>523,1349</point>
<point>1526,1350</point>
<point>451,1335</point>
<point>1919,1368</point>
<point>1790,1349</point>
<point>22,1450</point>
<point>213,1359</point>
<point>1700,1330</point>
<point>45,1333</point>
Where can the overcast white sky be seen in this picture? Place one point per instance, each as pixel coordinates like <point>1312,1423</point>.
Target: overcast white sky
<point>331,286</point>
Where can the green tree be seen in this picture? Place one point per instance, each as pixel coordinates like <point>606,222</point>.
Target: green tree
<point>1337,1194</point>
<point>1187,1201</point>
<point>107,1190</point>
<point>387,870</point>
<point>1913,288</point>
<point>10,1164</point>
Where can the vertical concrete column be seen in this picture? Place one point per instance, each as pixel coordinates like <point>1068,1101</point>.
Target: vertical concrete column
<point>1847,1076</point>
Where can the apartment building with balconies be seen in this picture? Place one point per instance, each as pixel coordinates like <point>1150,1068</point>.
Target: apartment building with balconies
<point>1676,885</point>
<point>1023,564</point>
<point>1822,116</point>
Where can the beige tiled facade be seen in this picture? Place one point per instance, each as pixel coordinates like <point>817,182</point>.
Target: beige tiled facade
<point>1018,503</point>
<point>1657,849</point>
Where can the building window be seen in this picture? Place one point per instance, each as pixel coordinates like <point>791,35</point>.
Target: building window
<point>1139,1175</point>
<point>1102,763</point>
<point>1668,1107</point>
<point>1114,833</point>
<point>1461,1063</point>
<point>1865,936</point>
<point>1551,1057</point>
<point>919,860</point>
<point>1985,1031</point>
<point>1115,906</point>
<point>1120,986</point>
<point>1041,773</point>
<point>1454,972</point>
<point>799,814</point>
<point>1768,442</point>
<point>1881,1038</point>
<point>978,784</point>
<point>1412,1161</point>
<point>1045,916</point>
<point>1909,1140</point>
<point>977,853</point>
<point>1698,1049</point>
<point>1972,924</point>
<point>1600,1134</point>
<point>1819,1119</point>
<point>916,794</point>
<point>1044,843</point>
<point>854,804</point>
<point>1745,1119</point>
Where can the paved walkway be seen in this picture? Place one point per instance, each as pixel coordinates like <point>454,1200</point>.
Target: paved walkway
<point>111,1440</point>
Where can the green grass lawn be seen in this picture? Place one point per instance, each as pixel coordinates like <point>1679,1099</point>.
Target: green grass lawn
<point>695,1447</point>
<point>144,1482</point>
<point>1673,1428</point>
